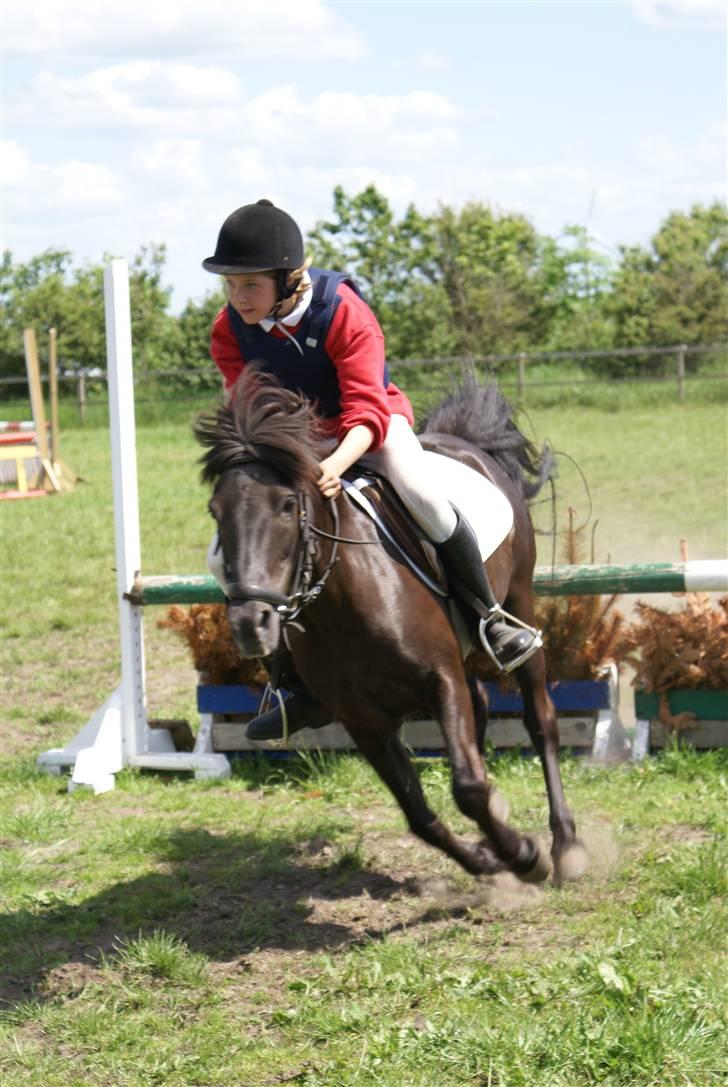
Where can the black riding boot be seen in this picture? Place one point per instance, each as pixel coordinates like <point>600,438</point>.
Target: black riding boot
<point>302,711</point>
<point>506,642</point>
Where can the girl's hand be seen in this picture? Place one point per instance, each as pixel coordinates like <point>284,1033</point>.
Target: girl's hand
<point>354,445</point>
<point>329,483</point>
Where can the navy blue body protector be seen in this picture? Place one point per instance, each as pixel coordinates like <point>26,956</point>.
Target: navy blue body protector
<point>309,371</point>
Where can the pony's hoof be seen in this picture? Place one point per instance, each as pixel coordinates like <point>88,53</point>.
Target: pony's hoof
<point>498,806</point>
<point>541,867</point>
<point>571,864</point>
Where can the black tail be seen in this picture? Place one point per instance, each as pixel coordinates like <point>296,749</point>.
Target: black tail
<point>481,415</point>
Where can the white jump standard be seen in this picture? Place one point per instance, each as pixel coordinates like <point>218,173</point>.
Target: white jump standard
<point>118,734</point>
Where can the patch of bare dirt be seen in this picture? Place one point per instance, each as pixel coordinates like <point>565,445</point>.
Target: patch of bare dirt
<point>686,832</point>
<point>69,980</point>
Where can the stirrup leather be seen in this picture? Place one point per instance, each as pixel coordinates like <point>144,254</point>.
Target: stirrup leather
<point>498,612</point>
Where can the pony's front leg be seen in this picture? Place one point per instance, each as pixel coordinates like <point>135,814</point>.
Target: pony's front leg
<point>569,854</point>
<point>474,795</point>
<point>389,757</point>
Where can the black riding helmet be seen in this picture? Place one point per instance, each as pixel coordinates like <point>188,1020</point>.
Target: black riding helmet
<point>256,238</point>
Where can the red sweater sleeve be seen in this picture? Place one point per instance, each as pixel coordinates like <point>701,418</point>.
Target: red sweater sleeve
<point>225,350</point>
<point>355,345</point>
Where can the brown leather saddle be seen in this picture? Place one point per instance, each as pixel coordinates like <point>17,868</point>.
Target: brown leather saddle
<point>374,495</point>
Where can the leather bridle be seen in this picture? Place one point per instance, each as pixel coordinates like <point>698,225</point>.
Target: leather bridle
<point>304,590</point>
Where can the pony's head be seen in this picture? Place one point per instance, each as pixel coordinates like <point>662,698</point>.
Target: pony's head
<point>262,457</point>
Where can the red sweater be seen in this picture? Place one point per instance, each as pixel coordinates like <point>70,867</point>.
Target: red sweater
<point>355,345</point>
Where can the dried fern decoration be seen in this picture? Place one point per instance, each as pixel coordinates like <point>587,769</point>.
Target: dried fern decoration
<point>205,629</point>
<point>686,648</point>
<point>582,634</point>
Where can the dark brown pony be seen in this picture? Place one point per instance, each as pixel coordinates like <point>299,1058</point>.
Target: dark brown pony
<point>367,637</point>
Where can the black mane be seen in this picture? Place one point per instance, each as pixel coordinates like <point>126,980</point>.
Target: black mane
<point>263,422</point>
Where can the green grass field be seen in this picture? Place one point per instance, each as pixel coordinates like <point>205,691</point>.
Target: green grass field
<point>282,927</point>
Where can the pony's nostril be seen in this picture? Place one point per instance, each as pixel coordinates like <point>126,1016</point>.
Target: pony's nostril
<point>265,619</point>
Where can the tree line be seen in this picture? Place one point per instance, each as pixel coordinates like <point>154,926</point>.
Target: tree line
<point>461,282</point>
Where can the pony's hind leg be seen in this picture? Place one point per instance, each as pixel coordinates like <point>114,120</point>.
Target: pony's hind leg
<point>388,756</point>
<point>472,792</point>
<point>569,854</point>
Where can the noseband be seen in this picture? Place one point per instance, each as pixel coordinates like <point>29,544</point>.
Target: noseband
<point>303,592</point>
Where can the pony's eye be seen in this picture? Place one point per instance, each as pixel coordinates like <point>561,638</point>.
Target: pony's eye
<point>289,505</point>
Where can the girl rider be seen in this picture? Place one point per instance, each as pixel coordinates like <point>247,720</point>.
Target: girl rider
<point>317,335</point>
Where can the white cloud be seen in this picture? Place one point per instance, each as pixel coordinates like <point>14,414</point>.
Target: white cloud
<point>711,146</point>
<point>348,111</point>
<point>682,14</point>
<point>699,165</point>
<point>15,164</point>
<point>661,154</point>
<point>306,31</point>
<point>71,184</point>
<point>247,167</point>
<point>408,127</point>
<point>84,185</point>
<point>276,114</point>
<point>180,162</point>
<point>354,128</point>
<point>141,93</point>
<point>537,177</point>
<point>187,101</point>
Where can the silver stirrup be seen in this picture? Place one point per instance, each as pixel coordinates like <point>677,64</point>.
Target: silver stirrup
<point>537,642</point>
<point>270,696</point>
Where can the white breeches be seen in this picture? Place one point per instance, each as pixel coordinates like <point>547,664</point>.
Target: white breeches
<point>401,460</point>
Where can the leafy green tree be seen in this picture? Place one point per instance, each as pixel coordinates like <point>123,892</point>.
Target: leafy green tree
<point>581,321</point>
<point>155,332</point>
<point>195,323</point>
<point>503,280</point>
<point>33,295</point>
<point>393,262</point>
<point>48,292</point>
<point>675,291</point>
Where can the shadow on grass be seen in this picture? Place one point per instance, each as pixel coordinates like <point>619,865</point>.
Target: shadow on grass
<point>224,895</point>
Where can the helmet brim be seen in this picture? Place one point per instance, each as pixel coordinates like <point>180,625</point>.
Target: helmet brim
<point>211,264</point>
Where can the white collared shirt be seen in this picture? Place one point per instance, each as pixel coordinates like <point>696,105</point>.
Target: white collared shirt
<point>291,319</point>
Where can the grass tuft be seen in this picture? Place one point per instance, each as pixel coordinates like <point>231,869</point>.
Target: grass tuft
<point>159,956</point>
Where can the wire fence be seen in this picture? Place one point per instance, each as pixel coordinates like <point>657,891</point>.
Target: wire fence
<point>678,364</point>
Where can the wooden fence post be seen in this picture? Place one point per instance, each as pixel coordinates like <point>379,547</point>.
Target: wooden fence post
<point>81,394</point>
<point>681,371</point>
<point>53,393</point>
<point>521,378</point>
<point>35,390</point>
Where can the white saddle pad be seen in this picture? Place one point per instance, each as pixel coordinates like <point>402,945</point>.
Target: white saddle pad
<point>486,508</point>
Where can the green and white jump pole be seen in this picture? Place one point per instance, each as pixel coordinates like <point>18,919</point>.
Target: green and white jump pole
<point>649,577</point>
<point>118,734</point>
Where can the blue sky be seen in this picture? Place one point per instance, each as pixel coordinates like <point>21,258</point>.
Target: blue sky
<point>126,122</point>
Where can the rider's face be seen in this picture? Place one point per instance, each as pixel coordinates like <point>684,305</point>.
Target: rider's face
<point>252,294</point>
